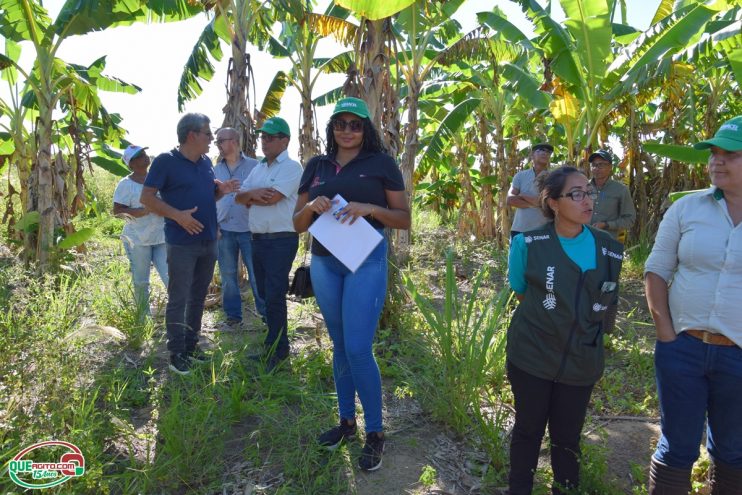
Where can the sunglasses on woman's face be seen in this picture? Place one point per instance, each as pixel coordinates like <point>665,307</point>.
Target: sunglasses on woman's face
<point>341,125</point>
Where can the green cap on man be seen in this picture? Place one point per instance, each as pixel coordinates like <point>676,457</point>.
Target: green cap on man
<point>275,125</point>
<point>728,137</point>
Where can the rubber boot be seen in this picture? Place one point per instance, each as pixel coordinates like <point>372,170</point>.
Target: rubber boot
<point>725,480</point>
<point>666,480</point>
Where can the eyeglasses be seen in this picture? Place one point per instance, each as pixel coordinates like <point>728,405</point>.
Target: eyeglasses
<point>579,195</point>
<point>597,164</point>
<point>268,138</point>
<point>341,125</point>
<point>220,141</point>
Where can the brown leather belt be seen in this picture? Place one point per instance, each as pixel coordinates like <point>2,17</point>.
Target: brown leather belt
<point>710,338</point>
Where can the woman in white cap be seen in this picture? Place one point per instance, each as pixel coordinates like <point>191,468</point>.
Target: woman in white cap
<point>693,280</point>
<point>143,235</point>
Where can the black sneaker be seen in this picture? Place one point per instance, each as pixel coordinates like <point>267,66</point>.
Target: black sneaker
<point>273,362</point>
<point>370,459</point>
<point>334,436</point>
<point>179,363</point>
<point>197,356</point>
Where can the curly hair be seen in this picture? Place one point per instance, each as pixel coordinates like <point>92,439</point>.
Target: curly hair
<point>371,139</point>
<point>551,185</point>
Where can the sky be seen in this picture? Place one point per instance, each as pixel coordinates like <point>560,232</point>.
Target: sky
<point>152,57</point>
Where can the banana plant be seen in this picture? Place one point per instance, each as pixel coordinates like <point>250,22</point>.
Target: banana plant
<point>594,70</point>
<point>490,86</point>
<point>55,85</point>
<point>234,22</point>
<point>301,32</point>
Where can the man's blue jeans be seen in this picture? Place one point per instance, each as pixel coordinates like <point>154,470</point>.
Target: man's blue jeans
<point>272,260</point>
<point>141,258</point>
<point>351,305</point>
<point>231,244</point>
<point>191,267</point>
<point>696,382</point>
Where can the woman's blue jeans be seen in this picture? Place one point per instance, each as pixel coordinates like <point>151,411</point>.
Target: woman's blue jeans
<point>141,258</point>
<point>696,383</point>
<point>351,305</point>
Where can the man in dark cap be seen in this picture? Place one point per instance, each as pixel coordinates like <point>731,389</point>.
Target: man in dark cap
<point>613,211</point>
<point>523,194</point>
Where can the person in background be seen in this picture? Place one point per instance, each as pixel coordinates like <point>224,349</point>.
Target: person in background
<point>565,275</point>
<point>613,211</point>
<point>234,227</point>
<point>693,281</point>
<point>523,194</point>
<point>357,168</point>
<point>185,179</point>
<point>270,192</point>
<point>143,235</point>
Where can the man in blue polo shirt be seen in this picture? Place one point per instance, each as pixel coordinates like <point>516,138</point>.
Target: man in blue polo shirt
<point>185,180</point>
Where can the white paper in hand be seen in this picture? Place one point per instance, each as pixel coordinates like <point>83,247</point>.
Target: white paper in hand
<point>351,244</point>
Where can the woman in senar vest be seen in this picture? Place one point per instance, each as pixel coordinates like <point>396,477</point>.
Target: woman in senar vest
<point>565,276</point>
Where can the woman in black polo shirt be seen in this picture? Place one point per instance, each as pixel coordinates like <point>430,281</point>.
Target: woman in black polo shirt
<point>357,168</point>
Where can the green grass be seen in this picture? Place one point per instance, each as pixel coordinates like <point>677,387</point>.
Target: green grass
<point>229,424</point>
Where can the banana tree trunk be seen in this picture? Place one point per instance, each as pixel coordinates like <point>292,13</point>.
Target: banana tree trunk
<point>371,81</point>
<point>408,157</point>
<point>503,184</point>
<point>488,224</point>
<point>237,111</point>
<point>468,222</point>
<point>44,195</point>
<point>308,138</point>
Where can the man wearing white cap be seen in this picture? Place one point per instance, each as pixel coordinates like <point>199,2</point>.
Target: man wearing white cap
<point>143,235</point>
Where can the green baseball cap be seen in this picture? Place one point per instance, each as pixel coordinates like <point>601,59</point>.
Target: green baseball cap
<point>728,137</point>
<point>355,106</point>
<point>275,125</point>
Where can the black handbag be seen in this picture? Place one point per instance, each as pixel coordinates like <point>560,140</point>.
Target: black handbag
<point>301,284</point>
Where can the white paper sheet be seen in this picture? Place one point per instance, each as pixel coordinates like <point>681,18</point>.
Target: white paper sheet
<point>351,244</point>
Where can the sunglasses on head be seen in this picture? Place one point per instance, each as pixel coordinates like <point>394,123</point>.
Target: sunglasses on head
<point>341,125</point>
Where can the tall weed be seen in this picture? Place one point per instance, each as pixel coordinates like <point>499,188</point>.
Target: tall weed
<point>465,370</point>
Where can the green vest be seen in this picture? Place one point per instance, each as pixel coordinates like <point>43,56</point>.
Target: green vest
<point>556,331</point>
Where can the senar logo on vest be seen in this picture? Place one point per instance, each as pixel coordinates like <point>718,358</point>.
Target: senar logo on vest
<point>550,299</point>
<point>530,238</point>
<point>611,254</point>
